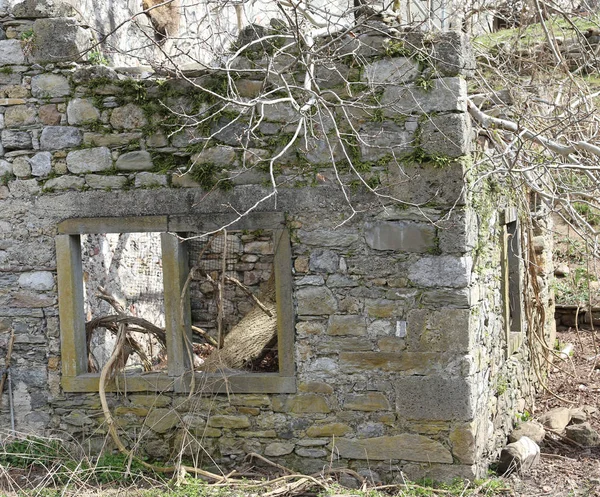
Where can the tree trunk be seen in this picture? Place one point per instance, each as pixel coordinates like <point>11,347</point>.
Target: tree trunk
<point>247,340</point>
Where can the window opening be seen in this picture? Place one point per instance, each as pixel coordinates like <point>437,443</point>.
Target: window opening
<point>122,276</point>
<point>233,301</point>
<point>512,281</point>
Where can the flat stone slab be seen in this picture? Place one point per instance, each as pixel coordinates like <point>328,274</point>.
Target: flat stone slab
<point>406,447</point>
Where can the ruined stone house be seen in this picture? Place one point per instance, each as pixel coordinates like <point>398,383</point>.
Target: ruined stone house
<point>400,340</point>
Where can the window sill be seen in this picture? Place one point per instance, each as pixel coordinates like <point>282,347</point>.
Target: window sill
<point>161,382</point>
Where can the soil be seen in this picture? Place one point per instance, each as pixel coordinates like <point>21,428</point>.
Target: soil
<point>566,469</point>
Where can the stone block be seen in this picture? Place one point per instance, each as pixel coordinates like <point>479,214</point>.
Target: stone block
<point>149,180</point>
<point>16,140</point>
<point>278,449</point>
<point>400,236</point>
<point>556,419</point>
<point>347,325</point>
<point>85,74</point>
<point>390,71</point>
<point>59,137</point>
<point>409,362</point>
<point>379,140</point>
<point>37,280</point>
<point>382,308</point>
<point>530,429</point>
<point>33,9</point>
<point>439,331</point>
<point>162,420</point>
<point>139,160</point>
<point>129,116</point>
<point>100,182</point>
<point>441,271</point>
<point>445,95</point>
<point>583,434</point>
<point>20,115</point>
<point>434,397</point>
<point>49,115</point>
<point>6,168</point>
<point>89,160</point>
<point>316,301</point>
<point>323,261</point>
<point>307,404</point>
<point>426,183</point>
<point>393,345</point>
<point>81,111</point>
<point>11,52</point>
<point>50,86</point>
<point>59,39</point>
<point>519,456</point>
<point>453,54</point>
<point>65,183</point>
<point>228,421</point>
<point>21,167</point>
<point>406,447</point>
<point>311,452</point>
<point>447,135</point>
<point>328,430</point>
<point>372,401</point>
<point>41,164</point>
<point>220,155</point>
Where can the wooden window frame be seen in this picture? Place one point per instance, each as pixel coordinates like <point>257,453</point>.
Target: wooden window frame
<point>177,378</point>
<point>512,280</point>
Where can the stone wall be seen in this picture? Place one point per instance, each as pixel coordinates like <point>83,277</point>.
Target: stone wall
<point>398,346</point>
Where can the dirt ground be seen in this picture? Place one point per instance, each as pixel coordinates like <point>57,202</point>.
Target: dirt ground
<point>565,469</point>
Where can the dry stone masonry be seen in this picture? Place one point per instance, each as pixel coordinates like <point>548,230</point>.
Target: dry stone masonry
<point>400,355</point>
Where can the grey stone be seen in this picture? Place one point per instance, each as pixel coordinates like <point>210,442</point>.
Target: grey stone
<point>21,167</point>
<point>50,86</point>
<point>578,416</point>
<point>220,155</point>
<point>32,9</point>
<point>315,301</point>
<point>89,160</point>
<point>379,140</point>
<point>41,164</point>
<point>58,137</point>
<point>11,52</point>
<point>100,182</point>
<point>139,160</point>
<point>583,434</point>
<point>277,449</point>
<point>400,236</point>
<point>145,180</point>
<point>320,150</point>
<point>312,279</point>
<point>81,111</point>
<point>22,188</point>
<point>556,419</point>
<point>434,397</point>
<point>445,95</point>
<point>446,135</point>
<point>37,280</point>
<point>65,183</point>
<point>339,280</point>
<point>323,261</point>
<point>519,456</point>
<point>307,452</point>
<point>86,74</point>
<point>390,71</point>
<point>5,168</point>
<point>453,54</point>
<point>281,112</point>
<point>129,116</point>
<point>59,39</point>
<point>15,140</point>
<point>531,429</point>
<point>426,183</point>
<point>441,271</point>
<point>407,447</point>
